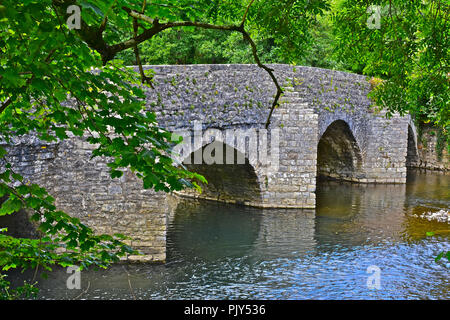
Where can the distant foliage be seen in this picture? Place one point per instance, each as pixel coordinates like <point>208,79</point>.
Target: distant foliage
<point>191,46</point>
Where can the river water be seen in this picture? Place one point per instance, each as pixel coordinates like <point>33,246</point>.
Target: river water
<point>218,251</point>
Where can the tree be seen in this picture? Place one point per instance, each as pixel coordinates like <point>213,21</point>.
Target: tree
<point>405,43</point>
<point>192,46</point>
<point>44,63</point>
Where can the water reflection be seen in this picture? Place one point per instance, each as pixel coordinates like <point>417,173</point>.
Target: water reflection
<point>218,251</point>
<point>210,230</point>
<point>425,191</point>
<point>285,233</point>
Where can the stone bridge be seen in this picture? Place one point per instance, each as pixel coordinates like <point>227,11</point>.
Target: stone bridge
<point>325,127</point>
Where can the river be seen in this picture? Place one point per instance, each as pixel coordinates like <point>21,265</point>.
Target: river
<point>218,251</point>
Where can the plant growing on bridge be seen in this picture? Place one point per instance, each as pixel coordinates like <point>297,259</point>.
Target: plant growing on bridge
<point>50,53</point>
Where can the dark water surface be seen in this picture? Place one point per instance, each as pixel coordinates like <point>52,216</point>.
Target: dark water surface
<point>218,251</point>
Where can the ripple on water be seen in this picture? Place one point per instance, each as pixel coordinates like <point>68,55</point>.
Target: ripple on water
<point>218,251</point>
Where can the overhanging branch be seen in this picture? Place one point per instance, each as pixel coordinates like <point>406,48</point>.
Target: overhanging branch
<point>158,27</point>
<point>94,38</point>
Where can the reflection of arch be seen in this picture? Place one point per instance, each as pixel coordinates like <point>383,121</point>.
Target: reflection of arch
<point>232,181</point>
<point>209,230</point>
<point>339,156</point>
<point>412,156</point>
<point>357,214</point>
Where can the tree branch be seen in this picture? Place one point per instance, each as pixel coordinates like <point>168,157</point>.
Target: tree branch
<point>144,78</point>
<point>5,104</point>
<point>10,100</point>
<point>246,12</point>
<point>157,27</point>
<point>94,38</point>
<point>275,102</point>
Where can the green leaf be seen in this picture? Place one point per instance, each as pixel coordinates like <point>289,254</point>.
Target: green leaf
<point>60,133</point>
<point>10,206</point>
<point>116,174</point>
<point>439,257</point>
<point>3,152</point>
<point>17,177</point>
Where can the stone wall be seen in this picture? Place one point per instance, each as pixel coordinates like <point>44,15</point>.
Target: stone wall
<point>294,182</point>
<point>83,188</point>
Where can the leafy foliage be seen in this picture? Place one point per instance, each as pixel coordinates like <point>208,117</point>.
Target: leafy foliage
<point>280,37</point>
<point>191,46</point>
<point>42,64</point>
<point>56,82</point>
<point>410,51</point>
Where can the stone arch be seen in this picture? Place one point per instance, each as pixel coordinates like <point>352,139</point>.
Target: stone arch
<point>357,127</point>
<point>234,181</point>
<point>245,140</point>
<point>339,156</point>
<point>412,155</point>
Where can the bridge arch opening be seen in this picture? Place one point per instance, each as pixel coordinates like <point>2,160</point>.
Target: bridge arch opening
<point>228,181</point>
<point>212,230</point>
<point>339,156</point>
<point>18,224</point>
<point>412,155</point>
